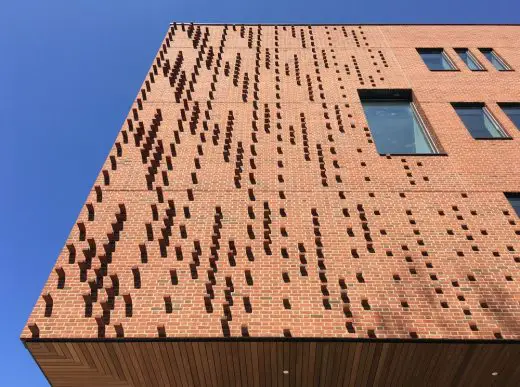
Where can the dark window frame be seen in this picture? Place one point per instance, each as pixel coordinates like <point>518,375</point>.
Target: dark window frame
<point>483,106</point>
<point>503,105</point>
<point>468,52</point>
<point>507,66</point>
<point>515,195</point>
<point>404,95</point>
<point>424,50</point>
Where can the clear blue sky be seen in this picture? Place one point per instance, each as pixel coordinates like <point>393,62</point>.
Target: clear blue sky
<point>69,71</point>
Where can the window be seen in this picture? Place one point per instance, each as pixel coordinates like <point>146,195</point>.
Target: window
<point>479,121</point>
<point>436,59</point>
<point>468,58</point>
<point>395,123</point>
<point>495,60</point>
<point>512,110</point>
<point>514,200</point>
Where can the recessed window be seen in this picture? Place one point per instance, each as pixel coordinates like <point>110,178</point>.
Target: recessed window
<point>512,110</point>
<point>468,58</point>
<point>514,200</point>
<point>395,123</point>
<point>479,121</point>
<point>436,59</point>
<point>495,59</point>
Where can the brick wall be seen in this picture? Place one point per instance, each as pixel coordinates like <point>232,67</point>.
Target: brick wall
<point>244,195</point>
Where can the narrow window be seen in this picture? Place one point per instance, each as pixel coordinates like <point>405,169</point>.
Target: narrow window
<point>479,121</point>
<point>436,59</point>
<point>512,110</point>
<point>514,200</point>
<point>495,59</point>
<point>395,123</point>
<point>468,58</point>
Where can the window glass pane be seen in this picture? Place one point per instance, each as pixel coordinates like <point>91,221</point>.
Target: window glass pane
<point>479,122</point>
<point>470,61</point>
<point>513,112</point>
<point>514,200</point>
<point>436,59</point>
<point>494,59</point>
<point>396,128</point>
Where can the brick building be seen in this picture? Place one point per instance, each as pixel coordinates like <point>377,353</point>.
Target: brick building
<point>301,205</point>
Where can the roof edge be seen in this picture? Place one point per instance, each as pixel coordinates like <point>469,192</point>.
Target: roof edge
<point>345,24</point>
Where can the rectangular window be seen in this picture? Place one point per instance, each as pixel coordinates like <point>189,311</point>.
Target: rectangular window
<point>436,59</point>
<point>514,200</point>
<point>512,110</point>
<point>479,121</point>
<point>468,58</point>
<point>395,123</point>
<point>494,59</point>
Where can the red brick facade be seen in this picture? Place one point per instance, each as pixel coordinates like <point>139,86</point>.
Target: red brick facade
<point>244,196</point>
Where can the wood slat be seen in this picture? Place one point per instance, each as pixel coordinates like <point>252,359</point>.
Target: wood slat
<point>253,363</point>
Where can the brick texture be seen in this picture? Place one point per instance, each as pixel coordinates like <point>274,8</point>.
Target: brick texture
<point>244,195</point>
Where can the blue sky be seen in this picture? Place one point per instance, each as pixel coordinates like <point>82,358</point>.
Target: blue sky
<point>69,71</point>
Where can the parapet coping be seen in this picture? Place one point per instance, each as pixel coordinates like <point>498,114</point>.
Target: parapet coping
<point>345,24</point>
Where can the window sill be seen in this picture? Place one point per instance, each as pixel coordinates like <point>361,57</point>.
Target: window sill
<point>445,71</point>
<point>414,154</point>
<point>493,138</point>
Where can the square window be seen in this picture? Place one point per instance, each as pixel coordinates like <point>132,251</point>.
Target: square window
<point>395,123</point>
<point>436,59</point>
<point>495,59</point>
<point>514,200</point>
<point>468,58</point>
<point>479,121</point>
<point>512,110</point>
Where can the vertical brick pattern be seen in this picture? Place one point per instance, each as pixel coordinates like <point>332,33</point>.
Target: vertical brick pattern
<point>244,196</point>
